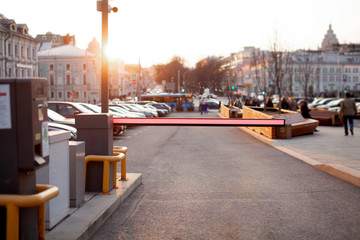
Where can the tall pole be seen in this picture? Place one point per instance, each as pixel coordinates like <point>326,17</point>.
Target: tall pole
<point>104,61</point>
<point>178,81</point>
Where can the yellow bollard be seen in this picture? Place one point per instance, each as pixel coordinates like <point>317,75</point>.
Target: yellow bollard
<point>122,149</point>
<point>13,202</point>
<point>106,160</point>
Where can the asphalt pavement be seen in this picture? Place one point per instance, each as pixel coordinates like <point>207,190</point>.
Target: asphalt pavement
<point>328,150</point>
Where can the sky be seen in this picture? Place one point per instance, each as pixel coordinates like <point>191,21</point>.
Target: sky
<point>154,31</point>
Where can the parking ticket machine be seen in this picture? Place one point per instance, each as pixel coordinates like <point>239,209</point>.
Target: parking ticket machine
<point>24,143</point>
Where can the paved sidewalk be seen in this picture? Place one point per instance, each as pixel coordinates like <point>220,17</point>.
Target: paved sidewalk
<point>328,150</point>
<point>83,222</point>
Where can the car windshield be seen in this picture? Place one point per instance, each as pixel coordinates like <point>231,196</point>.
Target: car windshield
<point>91,107</point>
<point>54,116</point>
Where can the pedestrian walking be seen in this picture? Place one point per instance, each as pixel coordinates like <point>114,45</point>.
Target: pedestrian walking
<point>206,105</point>
<point>201,108</point>
<point>347,113</point>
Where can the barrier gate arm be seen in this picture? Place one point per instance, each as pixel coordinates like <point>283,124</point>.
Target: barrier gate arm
<point>13,202</point>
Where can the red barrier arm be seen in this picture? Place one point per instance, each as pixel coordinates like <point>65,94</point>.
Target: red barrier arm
<point>200,122</point>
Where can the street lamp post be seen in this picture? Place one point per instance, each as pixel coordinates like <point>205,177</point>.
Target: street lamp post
<point>104,7</point>
<point>104,61</point>
<point>185,75</point>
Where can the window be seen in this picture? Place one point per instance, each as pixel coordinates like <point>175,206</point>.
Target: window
<point>44,38</point>
<point>355,79</point>
<point>27,52</point>
<point>67,110</point>
<point>9,49</point>
<point>52,95</point>
<point>60,95</point>
<point>348,79</point>
<point>16,51</point>
<point>338,70</point>
<point>331,79</point>
<point>68,80</point>
<point>76,94</point>
<point>60,67</point>
<point>331,70</point>
<point>51,80</point>
<point>51,67</point>
<point>84,94</point>
<point>22,52</point>
<point>84,79</point>
<point>84,66</point>
<point>33,54</point>
<point>10,71</point>
<point>355,70</point>
<point>54,38</point>
<point>324,70</point>
<point>317,70</point>
<point>68,67</point>
<point>325,79</point>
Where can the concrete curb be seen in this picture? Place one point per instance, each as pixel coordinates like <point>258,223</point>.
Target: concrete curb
<point>86,220</point>
<point>337,170</point>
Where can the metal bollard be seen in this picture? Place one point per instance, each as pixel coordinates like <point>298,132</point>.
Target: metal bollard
<point>106,160</point>
<point>13,202</point>
<point>122,149</point>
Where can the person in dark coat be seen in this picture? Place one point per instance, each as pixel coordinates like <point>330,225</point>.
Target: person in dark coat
<point>305,111</point>
<point>284,103</point>
<point>269,103</point>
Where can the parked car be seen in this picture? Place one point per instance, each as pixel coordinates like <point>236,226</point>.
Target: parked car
<point>321,102</point>
<point>67,109</point>
<point>128,114</point>
<point>57,118</point>
<point>70,109</point>
<point>331,104</point>
<point>53,126</point>
<point>160,112</point>
<point>156,105</point>
<point>132,108</point>
<point>212,103</point>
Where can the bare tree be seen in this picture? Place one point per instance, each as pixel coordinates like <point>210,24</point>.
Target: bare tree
<point>207,72</point>
<point>278,67</point>
<point>170,70</point>
<point>256,63</point>
<point>304,69</point>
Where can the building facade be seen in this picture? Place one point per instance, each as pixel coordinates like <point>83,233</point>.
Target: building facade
<point>18,55</point>
<point>73,74</point>
<point>327,71</point>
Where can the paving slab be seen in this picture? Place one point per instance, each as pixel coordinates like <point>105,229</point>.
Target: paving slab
<point>84,221</point>
<point>328,150</point>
